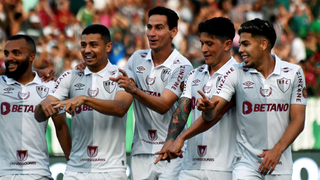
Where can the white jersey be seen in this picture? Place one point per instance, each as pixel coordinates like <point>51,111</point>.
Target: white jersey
<point>262,108</point>
<point>151,128</point>
<point>98,140</point>
<point>214,149</point>
<point>23,141</point>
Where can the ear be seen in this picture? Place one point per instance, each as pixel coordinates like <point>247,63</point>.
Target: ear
<point>32,56</point>
<point>109,47</point>
<point>264,44</point>
<point>174,32</point>
<point>228,45</point>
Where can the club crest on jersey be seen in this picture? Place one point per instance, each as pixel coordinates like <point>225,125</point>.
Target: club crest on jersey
<point>23,96</point>
<point>284,84</point>
<point>206,89</point>
<point>202,150</point>
<point>79,86</point>
<point>195,82</point>
<point>176,61</point>
<point>140,69</point>
<point>248,84</point>
<point>8,90</point>
<point>152,135</point>
<point>165,74</point>
<point>265,92</point>
<point>92,151</point>
<point>42,91</point>
<point>150,81</point>
<point>109,86</point>
<point>22,155</point>
<point>93,93</point>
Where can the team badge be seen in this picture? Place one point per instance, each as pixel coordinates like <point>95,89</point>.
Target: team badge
<point>283,84</point>
<point>79,86</point>
<point>206,89</point>
<point>93,93</point>
<point>8,90</point>
<point>109,86</point>
<point>152,135</point>
<point>165,74</point>
<point>150,81</point>
<point>92,151</point>
<point>23,96</point>
<point>22,155</point>
<point>42,91</point>
<point>304,92</point>
<point>265,92</point>
<point>202,150</point>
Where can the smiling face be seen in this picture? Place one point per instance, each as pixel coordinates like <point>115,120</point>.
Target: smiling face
<point>251,49</point>
<point>212,49</point>
<point>94,51</point>
<point>159,34</point>
<point>17,58</point>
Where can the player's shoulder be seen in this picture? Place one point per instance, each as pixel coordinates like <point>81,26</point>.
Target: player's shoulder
<point>142,53</point>
<point>287,67</point>
<point>181,60</point>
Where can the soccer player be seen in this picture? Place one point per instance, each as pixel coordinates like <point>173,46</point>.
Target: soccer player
<point>24,151</point>
<point>99,110</point>
<point>159,73</point>
<point>204,157</point>
<point>270,105</point>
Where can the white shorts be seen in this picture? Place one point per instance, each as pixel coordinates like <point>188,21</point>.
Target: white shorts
<point>113,175</point>
<point>143,168</point>
<point>245,173</point>
<point>25,176</point>
<point>204,174</point>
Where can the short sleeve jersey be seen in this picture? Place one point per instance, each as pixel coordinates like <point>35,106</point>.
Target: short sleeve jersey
<point>262,108</point>
<point>23,141</point>
<point>98,140</point>
<point>151,128</point>
<point>213,149</point>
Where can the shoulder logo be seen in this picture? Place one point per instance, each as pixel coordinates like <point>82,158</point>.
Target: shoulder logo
<point>265,92</point>
<point>152,135</point>
<point>79,86</point>
<point>196,82</point>
<point>109,86</point>
<point>201,69</point>
<point>206,89</point>
<point>42,91</point>
<point>80,73</point>
<point>8,90</point>
<point>22,155</point>
<point>283,84</point>
<point>93,93</point>
<point>202,150</point>
<point>113,72</point>
<point>165,74</point>
<point>150,81</point>
<point>140,69</point>
<point>248,84</point>
<point>143,54</point>
<point>244,68</point>
<point>286,69</point>
<point>177,61</point>
<point>92,151</point>
<point>23,96</point>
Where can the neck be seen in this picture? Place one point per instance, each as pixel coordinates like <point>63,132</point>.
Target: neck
<point>27,77</point>
<point>99,66</point>
<point>215,67</point>
<point>267,65</point>
<point>158,57</point>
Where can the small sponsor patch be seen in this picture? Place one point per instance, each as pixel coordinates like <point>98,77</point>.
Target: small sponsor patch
<point>304,92</point>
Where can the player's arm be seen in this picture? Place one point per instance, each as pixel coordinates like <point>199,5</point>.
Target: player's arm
<point>63,133</point>
<point>271,158</point>
<point>44,110</point>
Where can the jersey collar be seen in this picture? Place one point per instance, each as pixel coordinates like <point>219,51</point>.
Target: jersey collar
<point>276,69</point>
<point>36,80</point>
<point>223,68</point>
<point>168,62</point>
<point>101,73</point>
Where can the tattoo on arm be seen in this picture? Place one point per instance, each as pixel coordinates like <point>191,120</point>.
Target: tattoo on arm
<point>192,134</point>
<point>179,118</point>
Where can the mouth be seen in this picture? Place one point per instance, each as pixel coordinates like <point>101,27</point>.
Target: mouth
<point>89,57</point>
<point>152,42</point>
<point>245,58</point>
<point>12,65</point>
<point>206,57</point>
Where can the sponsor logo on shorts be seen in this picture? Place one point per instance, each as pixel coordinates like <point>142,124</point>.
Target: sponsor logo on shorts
<point>8,90</point>
<point>109,86</point>
<point>248,84</point>
<point>93,93</point>
<point>152,135</point>
<point>79,86</point>
<point>265,92</point>
<point>150,81</point>
<point>23,96</point>
<point>42,91</point>
<point>284,84</point>
<point>165,74</point>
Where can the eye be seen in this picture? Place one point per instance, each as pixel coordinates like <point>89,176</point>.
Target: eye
<point>83,45</point>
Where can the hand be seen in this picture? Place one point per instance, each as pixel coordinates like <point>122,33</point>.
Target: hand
<point>47,74</point>
<point>174,150</point>
<point>163,155</point>
<point>205,104</point>
<point>70,104</point>
<point>270,160</point>
<point>47,108</point>
<point>124,82</point>
<point>81,66</point>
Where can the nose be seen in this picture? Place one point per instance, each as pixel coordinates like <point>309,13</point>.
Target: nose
<point>204,48</point>
<point>87,49</point>
<point>150,32</point>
